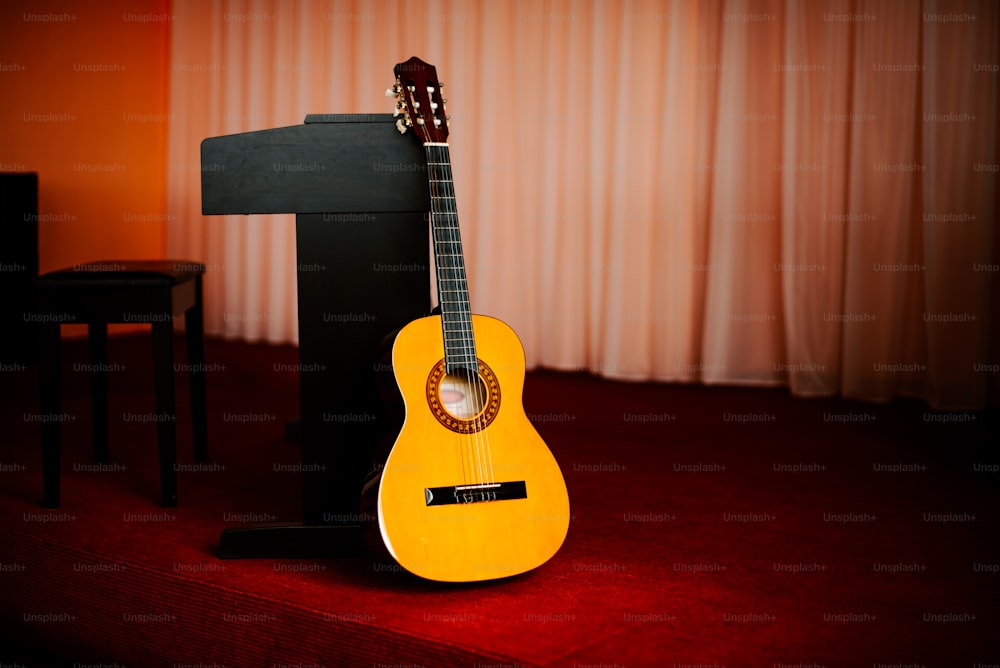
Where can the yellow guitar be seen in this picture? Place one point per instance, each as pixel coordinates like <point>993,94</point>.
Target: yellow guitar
<point>468,490</point>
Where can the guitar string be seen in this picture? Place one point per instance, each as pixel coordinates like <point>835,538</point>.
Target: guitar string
<point>468,354</point>
<point>438,232</point>
<point>472,452</point>
<point>440,268</point>
<point>447,272</point>
<point>479,437</point>
<point>479,415</point>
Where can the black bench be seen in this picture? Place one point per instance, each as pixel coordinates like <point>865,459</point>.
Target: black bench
<point>121,291</point>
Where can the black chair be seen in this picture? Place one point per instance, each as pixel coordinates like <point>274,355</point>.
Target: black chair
<point>121,291</point>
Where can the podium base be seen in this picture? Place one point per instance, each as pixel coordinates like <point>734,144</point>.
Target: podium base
<point>291,541</point>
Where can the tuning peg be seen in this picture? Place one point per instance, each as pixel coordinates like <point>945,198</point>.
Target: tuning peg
<point>430,89</point>
<point>390,92</point>
<point>401,126</point>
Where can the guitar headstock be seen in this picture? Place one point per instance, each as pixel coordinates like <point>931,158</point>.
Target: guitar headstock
<point>418,101</point>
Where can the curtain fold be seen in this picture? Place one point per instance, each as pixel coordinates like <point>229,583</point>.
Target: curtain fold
<point>816,129</point>
<point>770,192</point>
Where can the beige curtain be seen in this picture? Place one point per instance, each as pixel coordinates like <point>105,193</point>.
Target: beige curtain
<point>768,193</point>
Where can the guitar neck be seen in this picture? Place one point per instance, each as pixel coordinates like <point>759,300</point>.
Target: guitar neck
<point>453,288</point>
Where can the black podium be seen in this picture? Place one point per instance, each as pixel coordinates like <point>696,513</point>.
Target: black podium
<point>359,192</point>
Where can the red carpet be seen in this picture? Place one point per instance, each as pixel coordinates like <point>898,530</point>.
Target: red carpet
<point>711,527</point>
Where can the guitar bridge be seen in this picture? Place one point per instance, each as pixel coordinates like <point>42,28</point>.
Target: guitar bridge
<point>491,491</point>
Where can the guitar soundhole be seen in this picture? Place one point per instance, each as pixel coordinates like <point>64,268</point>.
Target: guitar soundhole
<point>463,401</point>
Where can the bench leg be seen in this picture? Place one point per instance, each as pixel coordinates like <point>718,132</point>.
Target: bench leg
<point>97,338</point>
<point>194,331</point>
<point>166,415</point>
<point>50,345</point>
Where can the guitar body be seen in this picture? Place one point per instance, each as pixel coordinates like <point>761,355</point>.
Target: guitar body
<point>466,489</point>
<point>469,493</point>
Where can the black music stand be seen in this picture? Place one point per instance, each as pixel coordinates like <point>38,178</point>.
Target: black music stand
<point>359,192</point>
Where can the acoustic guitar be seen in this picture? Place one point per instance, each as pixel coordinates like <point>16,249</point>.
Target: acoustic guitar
<point>467,489</point>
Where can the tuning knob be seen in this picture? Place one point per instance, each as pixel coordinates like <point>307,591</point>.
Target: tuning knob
<point>401,126</point>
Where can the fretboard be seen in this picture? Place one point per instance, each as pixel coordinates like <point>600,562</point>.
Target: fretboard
<point>453,289</point>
